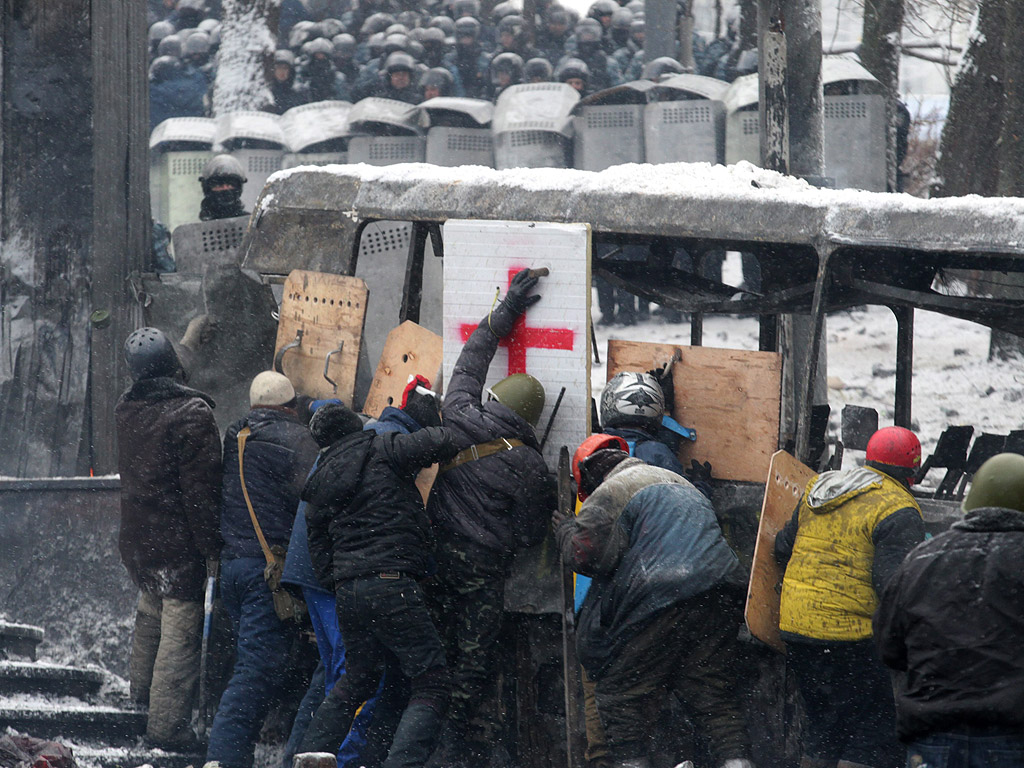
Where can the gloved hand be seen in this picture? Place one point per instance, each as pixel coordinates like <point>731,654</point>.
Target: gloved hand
<point>664,377</point>
<point>558,516</point>
<point>516,301</point>
<point>699,473</point>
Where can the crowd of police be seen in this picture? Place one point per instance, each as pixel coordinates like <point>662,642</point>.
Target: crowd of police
<point>308,508</point>
<point>419,51</point>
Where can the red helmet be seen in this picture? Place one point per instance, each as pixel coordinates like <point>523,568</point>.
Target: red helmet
<point>587,448</point>
<point>895,447</point>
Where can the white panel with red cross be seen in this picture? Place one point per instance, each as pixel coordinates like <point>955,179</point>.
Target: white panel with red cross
<point>552,340</point>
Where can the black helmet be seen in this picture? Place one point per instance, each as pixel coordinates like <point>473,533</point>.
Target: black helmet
<point>440,78</point>
<point>511,25</point>
<point>462,8</point>
<point>397,29</point>
<point>660,67</point>
<point>467,26</point>
<point>301,32</point>
<point>432,37</point>
<point>197,45</point>
<point>319,45</point>
<point>570,68</point>
<point>501,10</point>
<point>208,25</point>
<point>446,25</point>
<point>509,63</point>
<point>284,56</point>
<point>149,354</point>
<point>170,46</point>
<point>395,43</point>
<point>331,27</point>
<point>222,168</point>
<point>602,8</point>
<point>159,30</point>
<point>537,70</point>
<point>344,46</point>
<point>588,31</point>
<point>556,14</point>
<point>399,61</point>
<point>376,45</point>
<point>164,68</point>
<point>376,22</point>
<point>622,18</point>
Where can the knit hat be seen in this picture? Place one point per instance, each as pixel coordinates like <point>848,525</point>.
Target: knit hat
<point>270,388</point>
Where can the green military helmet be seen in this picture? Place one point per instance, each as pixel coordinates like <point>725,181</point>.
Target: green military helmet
<point>522,393</point>
<point>999,482</point>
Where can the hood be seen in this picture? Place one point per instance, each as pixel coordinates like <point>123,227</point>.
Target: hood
<point>163,388</point>
<point>830,490</point>
<point>339,470</point>
<point>989,519</point>
<point>264,415</point>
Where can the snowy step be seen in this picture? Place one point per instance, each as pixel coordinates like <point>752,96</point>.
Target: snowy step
<point>56,679</point>
<point>64,719</point>
<point>19,639</point>
<point>88,756</point>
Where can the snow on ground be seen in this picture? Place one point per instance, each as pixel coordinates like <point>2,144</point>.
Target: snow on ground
<point>954,382</point>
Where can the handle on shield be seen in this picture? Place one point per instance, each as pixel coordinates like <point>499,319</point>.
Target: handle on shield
<point>327,364</point>
<point>279,357</point>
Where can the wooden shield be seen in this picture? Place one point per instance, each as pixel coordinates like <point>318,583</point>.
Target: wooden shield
<point>409,350</point>
<point>787,479</point>
<point>320,333</point>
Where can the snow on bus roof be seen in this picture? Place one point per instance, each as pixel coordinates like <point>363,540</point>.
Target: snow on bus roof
<point>676,199</point>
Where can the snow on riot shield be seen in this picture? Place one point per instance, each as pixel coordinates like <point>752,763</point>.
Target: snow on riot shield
<point>855,132</point>
<point>458,131</point>
<point>608,127</point>
<point>533,126</point>
<point>685,121</point>
<point>385,132</point>
<point>742,127</point>
<point>316,134</point>
<point>256,141</point>
<point>179,149</point>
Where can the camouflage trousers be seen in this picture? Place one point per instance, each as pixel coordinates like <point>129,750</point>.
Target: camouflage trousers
<point>467,596</point>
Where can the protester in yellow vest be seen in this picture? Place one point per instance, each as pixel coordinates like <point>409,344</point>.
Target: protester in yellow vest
<point>848,534</point>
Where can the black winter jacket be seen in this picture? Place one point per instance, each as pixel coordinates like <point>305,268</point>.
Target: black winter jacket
<point>365,513</point>
<point>499,503</point>
<point>278,455</point>
<point>952,617</point>
<point>169,460</point>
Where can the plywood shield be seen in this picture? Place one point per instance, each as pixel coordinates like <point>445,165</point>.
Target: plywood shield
<point>320,333</point>
<point>731,397</point>
<point>787,479</point>
<point>409,350</point>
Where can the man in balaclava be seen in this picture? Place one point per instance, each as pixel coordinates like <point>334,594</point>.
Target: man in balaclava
<point>222,182</point>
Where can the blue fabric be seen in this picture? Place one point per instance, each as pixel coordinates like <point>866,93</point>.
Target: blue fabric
<point>298,568</point>
<point>966,750</point>
<point>260,664</point>
<point>676,551</point>
<point>180,97</point>
<point>393,420</point>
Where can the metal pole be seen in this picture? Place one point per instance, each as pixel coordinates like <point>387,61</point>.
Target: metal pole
<point>805,383</point>
<point>772,66</point>
<point>660,37</point>
<point>904,365</point>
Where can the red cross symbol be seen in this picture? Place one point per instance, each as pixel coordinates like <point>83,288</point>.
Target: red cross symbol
<point>523,337</point>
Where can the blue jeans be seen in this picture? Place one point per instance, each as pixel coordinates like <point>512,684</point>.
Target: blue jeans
<point>260,664</point>
<point>966,750</point>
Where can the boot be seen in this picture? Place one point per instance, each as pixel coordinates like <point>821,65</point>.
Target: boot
<point>415,737</point>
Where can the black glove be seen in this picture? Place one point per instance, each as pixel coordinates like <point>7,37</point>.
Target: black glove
<point>516,301</point>
<point>424,408</point>
<point>699,473</point>
<point>558,517</point>
<point>664,377</point>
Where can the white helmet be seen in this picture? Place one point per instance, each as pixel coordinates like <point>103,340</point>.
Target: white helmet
<point>270,388</point>
<point>632,399</point>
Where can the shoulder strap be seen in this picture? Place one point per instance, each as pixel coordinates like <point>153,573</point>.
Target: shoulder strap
<point>242,436</point>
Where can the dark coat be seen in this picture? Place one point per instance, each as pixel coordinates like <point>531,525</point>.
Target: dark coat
<point>501,502</point>
<point>179,97</point>
<point>278,455</point>
<point>649,540</point>
<point>365,513</point>
<point>298,567</point>
<point>952,618</point>
<point>170,465</point>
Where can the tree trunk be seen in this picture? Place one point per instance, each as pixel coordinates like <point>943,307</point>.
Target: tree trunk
<point>248,38</point>
<point>880,55</point>
<point>968,159</point>
<point>1010,154</point>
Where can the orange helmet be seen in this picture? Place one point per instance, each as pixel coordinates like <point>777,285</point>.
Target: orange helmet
<point>587,448</point>
<point>897,449</point>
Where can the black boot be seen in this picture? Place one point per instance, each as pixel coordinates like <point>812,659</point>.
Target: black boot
<point>415,737</point>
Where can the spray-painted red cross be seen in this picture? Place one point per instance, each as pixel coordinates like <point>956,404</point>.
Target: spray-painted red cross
<point>522,338</point>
